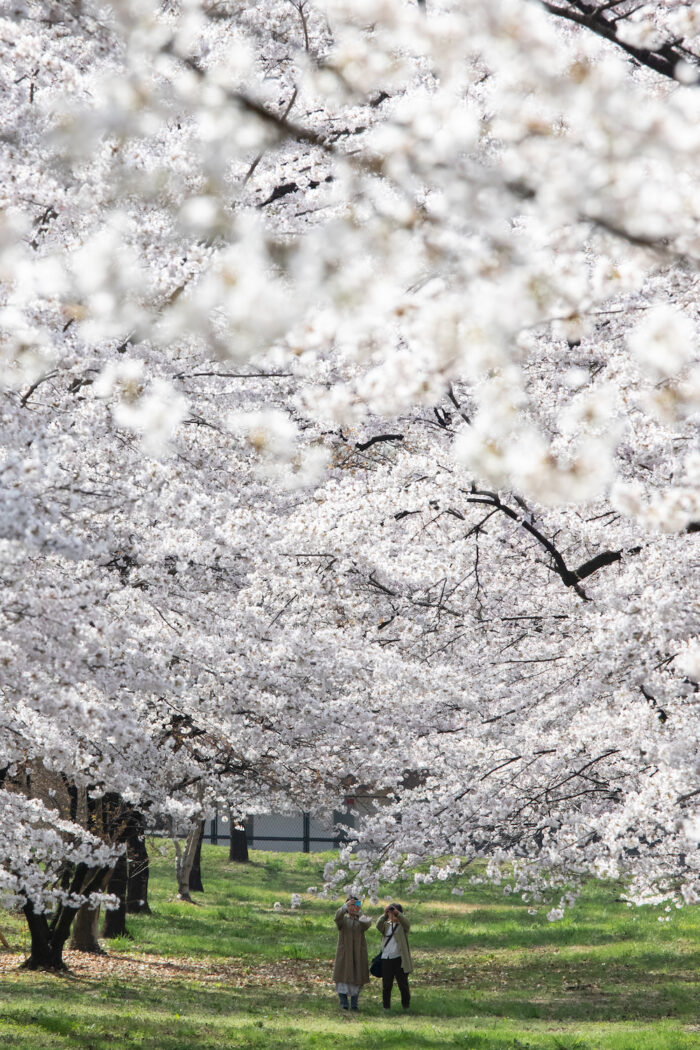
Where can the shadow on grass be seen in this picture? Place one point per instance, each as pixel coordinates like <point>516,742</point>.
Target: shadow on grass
<point>163,1000</point>
<point>256,1023</point>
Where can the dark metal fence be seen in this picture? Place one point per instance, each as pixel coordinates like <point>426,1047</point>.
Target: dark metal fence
<point>286,832</point>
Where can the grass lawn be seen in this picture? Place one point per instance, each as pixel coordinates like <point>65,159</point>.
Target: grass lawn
<point>232,972</point>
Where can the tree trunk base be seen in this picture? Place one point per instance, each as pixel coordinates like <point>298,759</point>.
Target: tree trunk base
<point>47,965</point>
<point>138,909</point>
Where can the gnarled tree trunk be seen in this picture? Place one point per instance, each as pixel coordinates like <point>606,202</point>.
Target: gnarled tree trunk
<point>45,954</point>
<point>48,938</point>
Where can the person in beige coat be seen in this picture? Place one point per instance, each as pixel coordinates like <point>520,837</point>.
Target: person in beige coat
<point>351,967</point>
<point>396,955</point>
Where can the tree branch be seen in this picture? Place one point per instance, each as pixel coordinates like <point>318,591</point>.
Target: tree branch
<point>43,379</point>
<point>362,446</point>
<point>662,60</point>
<point>570,577</point>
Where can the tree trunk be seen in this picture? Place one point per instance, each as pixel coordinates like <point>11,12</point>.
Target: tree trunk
<point>85,931</point>
<point>238,844</point>
<point>103,818</point>
<point>44,954</point>
<point>184,860</point>
<point>114,924</point>
<point>137,887</point>
<point>48,939</point>
<point>196,872</point>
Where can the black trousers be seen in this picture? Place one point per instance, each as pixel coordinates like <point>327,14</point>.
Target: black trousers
<point>392,968</point>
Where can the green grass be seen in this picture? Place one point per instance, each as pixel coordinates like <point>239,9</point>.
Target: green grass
<point>233,972</point>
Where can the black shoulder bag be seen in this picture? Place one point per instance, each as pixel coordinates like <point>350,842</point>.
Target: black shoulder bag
<point>375,967</point>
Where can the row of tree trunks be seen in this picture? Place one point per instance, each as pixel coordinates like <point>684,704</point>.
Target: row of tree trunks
<point>237,853</point>
<point>129,878</point>
<point>128,881</point>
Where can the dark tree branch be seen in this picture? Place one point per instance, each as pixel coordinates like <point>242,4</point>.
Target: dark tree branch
<point>300,6</point>
<point>260,155</point>
<point>570,577</point>
<point>654,703</point>
<point>43,379</point>
<point>362,446</point>
<point>491,499</point>
<point>600,561</point>
<point>380,586</point>
<point>662,60</point>
<point>453,398</point>
<point>292,187</point>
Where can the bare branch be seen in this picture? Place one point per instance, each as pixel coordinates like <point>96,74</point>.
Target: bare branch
<point>43,379</point>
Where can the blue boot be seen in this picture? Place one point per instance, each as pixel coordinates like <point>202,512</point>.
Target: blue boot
<point>343,1000</point>
<point>353,1002</point>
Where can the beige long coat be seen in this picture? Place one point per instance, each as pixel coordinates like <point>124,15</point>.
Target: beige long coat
<point>351,962</point>
<point>400,938</point>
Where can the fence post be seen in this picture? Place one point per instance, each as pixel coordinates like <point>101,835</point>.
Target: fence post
<point>306,833</point>
<point>214,829</point>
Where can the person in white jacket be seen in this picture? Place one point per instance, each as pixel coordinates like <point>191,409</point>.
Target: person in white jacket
<point>396,954</point>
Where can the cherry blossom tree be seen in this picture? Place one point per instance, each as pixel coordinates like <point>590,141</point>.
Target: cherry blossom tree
<point>350,401</point>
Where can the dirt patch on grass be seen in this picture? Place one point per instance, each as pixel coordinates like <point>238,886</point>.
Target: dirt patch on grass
<point>461,907</point>
<point>138,966</point>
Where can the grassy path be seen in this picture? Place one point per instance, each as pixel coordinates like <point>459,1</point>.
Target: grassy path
<point>234,972</point>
